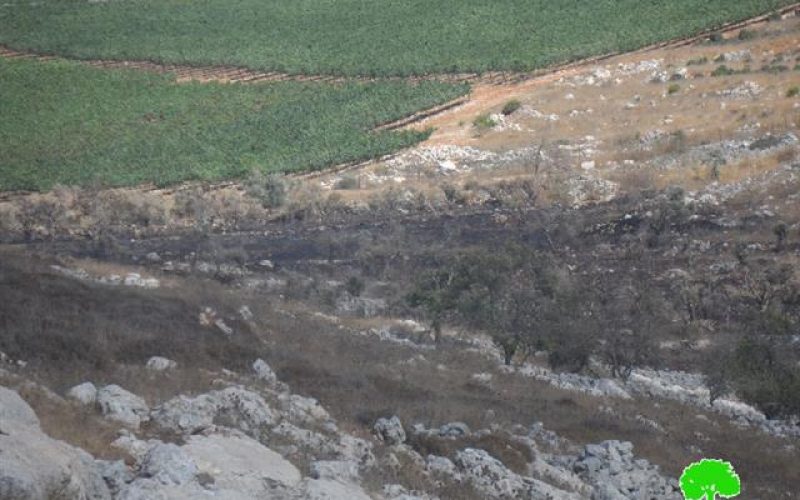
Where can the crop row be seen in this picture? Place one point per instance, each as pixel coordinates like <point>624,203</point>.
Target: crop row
<point>65,123</point>
<point>358,37</point>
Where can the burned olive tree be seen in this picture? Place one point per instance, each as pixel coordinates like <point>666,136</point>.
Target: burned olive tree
<point>510,295</point>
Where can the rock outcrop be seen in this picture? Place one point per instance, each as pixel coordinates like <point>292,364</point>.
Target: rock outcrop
<point>264,372</point>
<point>225,464</point>
<point>390,430</point>
<point>233,407</point>
<point>85,393</point>
<point>160,364</point>
<point>491,477</point>
<point>34,466</point>
<point>123,406</point>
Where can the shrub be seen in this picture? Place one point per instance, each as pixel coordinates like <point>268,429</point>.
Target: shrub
<point>8,219</point>
<point>511,106</point>
<point>762,379</point>
<point>625,350</point>
<point>676,143</point>
<point>116,208</point>
<point>698,61</point>
<point>774,68</point>
<point>793,91</point>
<point>780,230</point>
<point>716,371</point>
<point>354,286</point>
<point>571,351</point>
<point>673,89</point>
<point>269,190</point>
<point>483,122</point>
<point>451,193</point>
<point>722,71</point>
<point>347,182</point>
<point>189,203</point>
<point>745,35</point>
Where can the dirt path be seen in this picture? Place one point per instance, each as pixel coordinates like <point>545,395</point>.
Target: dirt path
<point>487,95</point>
<point>489,90</point>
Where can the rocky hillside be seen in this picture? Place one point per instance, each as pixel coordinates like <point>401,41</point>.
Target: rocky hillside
<point>580,284</point>
<point>260,440</point>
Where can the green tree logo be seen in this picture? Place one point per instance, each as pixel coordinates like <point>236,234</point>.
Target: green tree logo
<point>708,479</point>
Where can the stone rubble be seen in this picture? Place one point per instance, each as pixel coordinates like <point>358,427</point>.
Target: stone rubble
<point>617,475</point>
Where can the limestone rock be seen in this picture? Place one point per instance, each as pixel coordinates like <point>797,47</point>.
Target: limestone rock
<point>356,450</point>
<point>454,430</point>
<point>616,474</point>
<point>228,465</point>
<point>264,372</point>
<point>442,466</point>
<point>341,470</point>
<point>233,407</point>
<point>160,364</point>
<point>116,474</point>
<point>302,410</point>
<point>118,404</point>
<point>168,464</point>
<point>239,463</point>
<point>85,393</point>
<point>495,480</point>
<point>305,439</point>
<point>33,465</point>
<point>329,489</point>
<point>390,430</point>
<point>133,446</point>
<point>14,409</point>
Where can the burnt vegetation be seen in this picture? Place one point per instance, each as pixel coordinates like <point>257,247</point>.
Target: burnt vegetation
<point>647,280</point>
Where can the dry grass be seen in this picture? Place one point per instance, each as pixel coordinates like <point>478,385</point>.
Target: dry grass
<point>83,337</point>
<point>697,113</point>
<point>70,422</point>
<point>513,454</point>
<point>359,380</point>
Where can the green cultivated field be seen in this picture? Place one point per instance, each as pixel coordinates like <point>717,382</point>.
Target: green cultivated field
<point>360,37</point>
<point>70,124</point>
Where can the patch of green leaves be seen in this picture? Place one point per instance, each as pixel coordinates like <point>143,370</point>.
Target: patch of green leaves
<point>66,123</point>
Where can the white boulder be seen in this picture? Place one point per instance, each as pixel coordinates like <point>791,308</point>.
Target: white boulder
<point>341,470</point>
<point>160,364</point>
<point>329,489</point>
<point>168,464</point>
<point>232,407</point>
<point>264,372</point>
<point>14,409</point>
<point>239,463</point>
<point>85,393</point>
<point>123,406</point>
<point>302,410</point>
<point>491,477</point>
<point>390,430</point>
